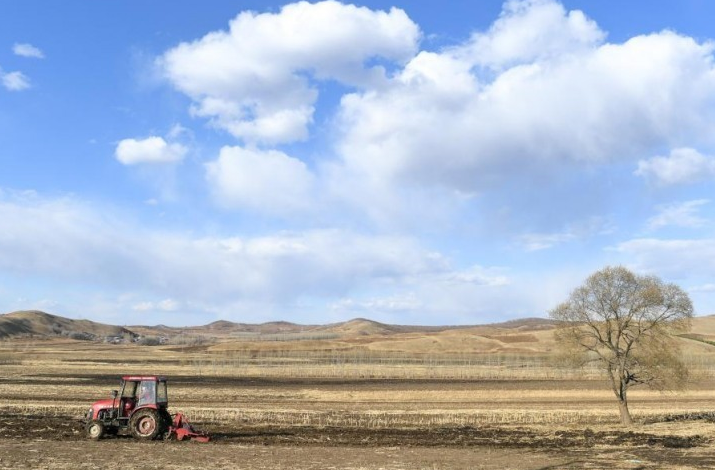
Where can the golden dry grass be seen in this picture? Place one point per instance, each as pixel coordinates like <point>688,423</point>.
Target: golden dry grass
<point>340,388</point>
<point>480,378</point>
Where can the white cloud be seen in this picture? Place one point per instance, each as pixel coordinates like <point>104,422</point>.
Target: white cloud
<point>538,94</point>
<point>169,305</point>
<point>166,305</point>
<point>532,30</point>
<point>688,262</point>
<point>27,50</point>
<point>543,241</point>
<point>143,306</point>
<point>254,80</point>
<point>80,249</point>
<point>439,298</point>
<point>682,214</point>
<point>478,276</point>
<point>177,131</point>
<point>707,288</point>
<point>571,100</point>
<point>682,166</point>
<point>149,150</point>
<point>392,304</point>
<point>71,243</point>
<point>267,181</point>
<point>676,258</point>
<point>575,231</point>
<point>15,81</point>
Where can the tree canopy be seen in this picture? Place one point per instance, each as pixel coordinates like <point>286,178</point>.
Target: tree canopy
<point>625,322</point>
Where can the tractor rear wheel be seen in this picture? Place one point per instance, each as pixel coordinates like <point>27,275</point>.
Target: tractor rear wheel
<point>146,424</point>
<point>95,430</point>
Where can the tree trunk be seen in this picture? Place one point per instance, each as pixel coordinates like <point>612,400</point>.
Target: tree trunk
<point>626,419</point>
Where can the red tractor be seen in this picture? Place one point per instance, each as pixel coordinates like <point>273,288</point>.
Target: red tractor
<point>141,408</point>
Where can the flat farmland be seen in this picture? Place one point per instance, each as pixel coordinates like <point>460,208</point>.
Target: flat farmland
<point>298,408</point>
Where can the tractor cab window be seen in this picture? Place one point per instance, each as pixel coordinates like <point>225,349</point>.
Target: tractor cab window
<point>161,395</point>
<point>147,393</point>
<point>129,390</point>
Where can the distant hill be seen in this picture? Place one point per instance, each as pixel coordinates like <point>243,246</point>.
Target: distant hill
<point>34,323</point>
<point>223,328</point>
<point>37,323</point>
<point>270,327</point>
<point>527,324</point>
<point>522,336</point>
<point>359,327</point>
<point>40,324</point>
<point>363,327</point>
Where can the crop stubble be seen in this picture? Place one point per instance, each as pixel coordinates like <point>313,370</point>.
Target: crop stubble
<point>563,422</point>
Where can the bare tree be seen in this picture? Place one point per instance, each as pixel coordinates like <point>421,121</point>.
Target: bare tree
<point>625,322</point>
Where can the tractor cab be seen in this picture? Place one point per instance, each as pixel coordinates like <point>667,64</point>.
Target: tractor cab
<point>141,391</point>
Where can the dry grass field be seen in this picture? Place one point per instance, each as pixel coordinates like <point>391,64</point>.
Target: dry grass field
<point>356,397</point>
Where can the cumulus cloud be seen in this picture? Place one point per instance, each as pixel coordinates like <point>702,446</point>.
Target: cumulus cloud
<point>682,166</point>
<point>567,98</point>
<point>539,93</point>
<point>149,150</point>
<point>684,214</point>
<point>27,50</point>
<point>264,181</point>
<point>532,30</point>
<point>15,81</point>
<point>254,80</point>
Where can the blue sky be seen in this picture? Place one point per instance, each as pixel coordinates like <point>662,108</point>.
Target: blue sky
<point>179,163</point>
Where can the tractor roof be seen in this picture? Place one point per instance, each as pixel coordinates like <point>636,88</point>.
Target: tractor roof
<point>144,377</point>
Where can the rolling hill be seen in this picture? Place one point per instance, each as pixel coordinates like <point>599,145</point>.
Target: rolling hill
<point>40,324</point>
<point>524,336</point>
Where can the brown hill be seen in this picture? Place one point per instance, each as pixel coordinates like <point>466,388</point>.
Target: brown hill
<point>262,328</point>
<point>363,326</point>
<point>35,323</point>
<point>530,324</point>
<point>224,329</point>
<point>359,327</point>
<point>524,336</point>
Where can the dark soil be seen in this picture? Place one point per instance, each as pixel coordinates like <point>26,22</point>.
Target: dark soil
<point>19,426</point>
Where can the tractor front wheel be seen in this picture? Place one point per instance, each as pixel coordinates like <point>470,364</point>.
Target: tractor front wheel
<point>95,430</point>
<point>146,424</point>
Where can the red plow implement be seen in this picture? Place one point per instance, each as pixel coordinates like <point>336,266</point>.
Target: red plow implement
<point>180,429</point>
